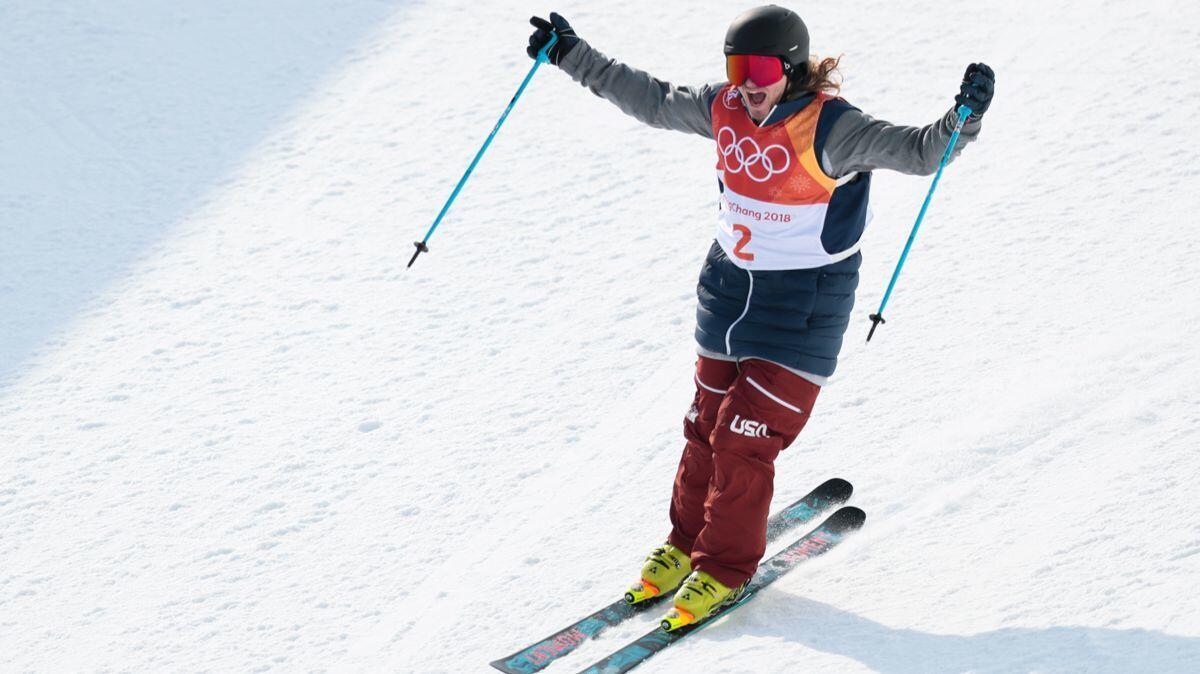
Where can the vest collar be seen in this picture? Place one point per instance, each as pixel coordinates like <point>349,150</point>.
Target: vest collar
<point>786,109</point>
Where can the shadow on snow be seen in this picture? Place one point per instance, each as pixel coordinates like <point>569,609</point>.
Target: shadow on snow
<point>119,117</point>
<point>902,651</point>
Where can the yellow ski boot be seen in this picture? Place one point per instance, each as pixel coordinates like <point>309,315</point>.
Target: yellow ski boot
<point>700,596</point>
<point>664,569</point>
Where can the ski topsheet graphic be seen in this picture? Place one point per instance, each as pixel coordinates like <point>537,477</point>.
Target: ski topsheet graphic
<point>541,654</point>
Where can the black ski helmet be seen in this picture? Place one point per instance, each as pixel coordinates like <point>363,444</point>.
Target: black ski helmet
<point>770,30</point>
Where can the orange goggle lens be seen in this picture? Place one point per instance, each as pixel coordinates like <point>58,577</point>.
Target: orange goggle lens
<point>762,70</point>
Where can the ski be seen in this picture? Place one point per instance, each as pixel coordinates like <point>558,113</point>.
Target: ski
<point>816,543</point>
<point>540,655</point>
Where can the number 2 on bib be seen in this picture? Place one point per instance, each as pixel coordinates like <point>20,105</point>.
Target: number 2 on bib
<point>744,235</point>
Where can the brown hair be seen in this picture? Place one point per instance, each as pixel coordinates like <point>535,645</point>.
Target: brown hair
<point>821,76</point>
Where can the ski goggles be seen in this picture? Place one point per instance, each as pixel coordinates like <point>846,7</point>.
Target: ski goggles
<point>763,70</point>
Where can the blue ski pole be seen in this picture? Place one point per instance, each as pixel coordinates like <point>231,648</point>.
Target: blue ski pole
<point>542,57</point>
<point>876,318</point>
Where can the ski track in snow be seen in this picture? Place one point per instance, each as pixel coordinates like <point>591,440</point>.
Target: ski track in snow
<point>239,436</point>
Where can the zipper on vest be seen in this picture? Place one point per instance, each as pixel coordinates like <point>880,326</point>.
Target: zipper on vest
<point>745,310</point>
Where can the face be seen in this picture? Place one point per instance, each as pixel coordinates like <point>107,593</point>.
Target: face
<point>760,100</point>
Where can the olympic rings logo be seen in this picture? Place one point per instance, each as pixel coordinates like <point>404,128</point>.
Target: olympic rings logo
<point>745,154</point>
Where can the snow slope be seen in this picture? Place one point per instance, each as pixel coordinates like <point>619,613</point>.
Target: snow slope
<point>238,435</point>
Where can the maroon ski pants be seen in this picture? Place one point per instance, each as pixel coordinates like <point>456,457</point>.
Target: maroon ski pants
<point>743,415</point>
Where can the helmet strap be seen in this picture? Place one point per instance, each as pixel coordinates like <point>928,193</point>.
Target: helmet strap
<point>794,77</point>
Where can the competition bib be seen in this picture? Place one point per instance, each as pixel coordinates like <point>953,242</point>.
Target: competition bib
<point>776,197</point>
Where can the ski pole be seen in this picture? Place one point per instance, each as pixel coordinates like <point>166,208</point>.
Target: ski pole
<point>876,318</point>
<point>542,57</point>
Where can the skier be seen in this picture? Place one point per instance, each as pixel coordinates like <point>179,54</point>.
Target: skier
<point>794,165</point>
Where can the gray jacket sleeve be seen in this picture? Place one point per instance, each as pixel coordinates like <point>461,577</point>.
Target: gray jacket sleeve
<point>859,142</point>
<point>649,100</point>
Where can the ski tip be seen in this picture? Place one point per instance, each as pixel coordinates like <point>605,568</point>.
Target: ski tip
<point>837,488</point>
<point>846,520</point>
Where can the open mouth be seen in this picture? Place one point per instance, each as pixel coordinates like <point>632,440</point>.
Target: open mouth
<point>757,99</point>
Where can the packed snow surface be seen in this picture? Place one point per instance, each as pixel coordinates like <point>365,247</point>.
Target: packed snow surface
<point>237,435</point>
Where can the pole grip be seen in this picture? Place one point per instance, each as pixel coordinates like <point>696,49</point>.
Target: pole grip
<point>544,53</point>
